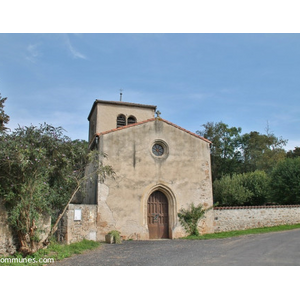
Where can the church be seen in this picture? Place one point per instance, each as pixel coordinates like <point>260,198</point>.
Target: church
<point>159,169</point>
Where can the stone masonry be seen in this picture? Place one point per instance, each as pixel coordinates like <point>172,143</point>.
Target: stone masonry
<point>7,240</point>
<point>78,223</point>
<point>240,218</point>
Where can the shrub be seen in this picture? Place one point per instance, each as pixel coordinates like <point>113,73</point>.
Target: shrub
<point>116,236</point>
<point>242,189</point>
<point>230,190</point>
<point>258,184</point>
<point>189,218</point>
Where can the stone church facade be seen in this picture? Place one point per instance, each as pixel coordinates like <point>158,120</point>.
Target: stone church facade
<point>159,169</point>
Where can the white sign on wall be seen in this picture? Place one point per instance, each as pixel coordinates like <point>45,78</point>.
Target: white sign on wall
<point>77,215</point>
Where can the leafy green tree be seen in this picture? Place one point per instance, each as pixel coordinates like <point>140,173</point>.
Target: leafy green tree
<point>261,151</point>
<point>4,118</point>
<point>40,168</point>
<point>285,182</point>
<point>225,155</point>
<point>189,218</point>
<point>232,152</point>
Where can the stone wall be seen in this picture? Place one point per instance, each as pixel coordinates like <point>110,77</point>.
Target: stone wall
<point>78,223</point>
<point>7,240</point>
<point>240,218</point>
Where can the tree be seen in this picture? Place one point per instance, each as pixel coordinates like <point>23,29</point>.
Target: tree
<point>261,151</point>
<point>40,168</point>
<point>225,157</point>
<point>285,182</point>
<point>232,152</point>
<point>4,118</point>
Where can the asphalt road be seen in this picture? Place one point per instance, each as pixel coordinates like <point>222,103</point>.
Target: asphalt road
<point>269,249</point>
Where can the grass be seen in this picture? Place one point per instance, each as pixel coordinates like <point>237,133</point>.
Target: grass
<point>222,235</point>
<point>54,252</point>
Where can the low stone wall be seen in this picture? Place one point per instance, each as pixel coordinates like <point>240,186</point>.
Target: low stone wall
<point>7,240</point>
<point>240,218</point>
<point>78,223</point>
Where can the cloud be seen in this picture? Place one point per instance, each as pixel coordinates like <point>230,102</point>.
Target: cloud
<point>32,52</point>
<point>74,52</point>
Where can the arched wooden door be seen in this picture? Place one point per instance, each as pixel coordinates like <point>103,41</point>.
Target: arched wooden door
<point>157,215</point>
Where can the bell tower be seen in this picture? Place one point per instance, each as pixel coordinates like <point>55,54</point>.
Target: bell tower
<point>108,115</point>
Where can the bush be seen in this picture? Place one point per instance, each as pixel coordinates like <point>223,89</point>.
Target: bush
<point>229,190</point>
<point>116,236</point>
<point>242,189</point>
<point>189,218</point>
<point>258,184</point>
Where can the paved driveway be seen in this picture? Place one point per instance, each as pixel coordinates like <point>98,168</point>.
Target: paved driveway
<point>270,249</point>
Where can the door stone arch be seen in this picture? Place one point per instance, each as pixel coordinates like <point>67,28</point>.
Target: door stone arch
<point>165,196</point>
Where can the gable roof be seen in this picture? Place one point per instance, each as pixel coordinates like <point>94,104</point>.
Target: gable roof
<point>148,121</point>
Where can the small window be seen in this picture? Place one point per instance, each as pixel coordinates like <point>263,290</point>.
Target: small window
<point>121,121</point>
<point>131,120</point>
<point>160,149</point>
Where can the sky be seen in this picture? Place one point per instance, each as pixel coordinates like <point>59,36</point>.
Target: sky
<point>242,79</point>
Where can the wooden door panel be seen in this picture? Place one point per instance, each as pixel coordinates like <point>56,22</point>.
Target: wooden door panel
<point>157,213</point>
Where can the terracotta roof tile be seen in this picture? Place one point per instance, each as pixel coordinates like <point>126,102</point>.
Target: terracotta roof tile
<point>255,207</point>
<point>151,120</point>
<point>187,131</point>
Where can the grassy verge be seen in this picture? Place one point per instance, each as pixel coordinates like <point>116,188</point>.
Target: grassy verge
<point>228,234</point>
<point>54,252</point>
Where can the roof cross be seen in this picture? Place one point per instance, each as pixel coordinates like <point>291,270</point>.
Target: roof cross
<point>121,90</point>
